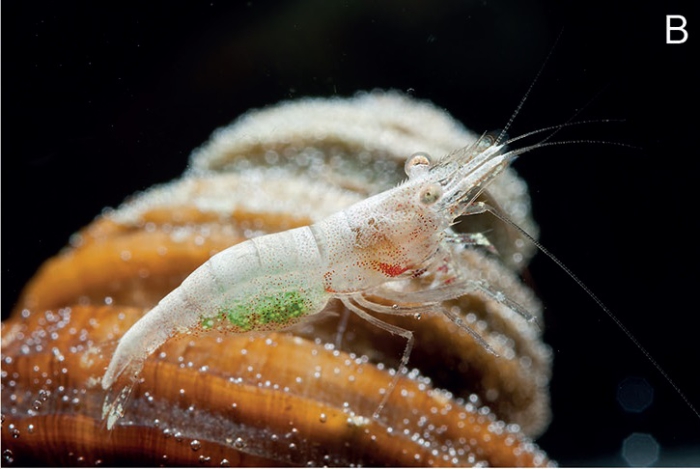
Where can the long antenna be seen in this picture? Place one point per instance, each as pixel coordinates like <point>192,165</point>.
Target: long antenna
<point>527,93</point>
<point>598,301</point>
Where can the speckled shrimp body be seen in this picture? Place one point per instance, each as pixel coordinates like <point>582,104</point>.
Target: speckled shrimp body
<point>274,281</point>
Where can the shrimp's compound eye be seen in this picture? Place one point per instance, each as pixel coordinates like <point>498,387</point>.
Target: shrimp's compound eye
<point>430,194</point>
<point>417,164</point>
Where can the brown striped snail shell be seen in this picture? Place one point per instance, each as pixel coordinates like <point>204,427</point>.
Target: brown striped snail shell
<point>285,397</point>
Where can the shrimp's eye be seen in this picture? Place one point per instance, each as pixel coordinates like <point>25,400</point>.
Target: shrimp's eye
<point>430,194</point>
<point>418,163</point>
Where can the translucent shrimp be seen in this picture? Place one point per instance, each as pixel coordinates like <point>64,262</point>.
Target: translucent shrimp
<point>274,281</point>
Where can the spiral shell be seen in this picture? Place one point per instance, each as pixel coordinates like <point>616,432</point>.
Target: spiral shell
<point>298,397</point>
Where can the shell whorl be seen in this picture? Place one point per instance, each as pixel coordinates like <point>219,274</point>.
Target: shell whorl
<point>272,170</point>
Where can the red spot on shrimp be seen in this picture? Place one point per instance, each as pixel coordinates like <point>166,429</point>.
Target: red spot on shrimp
<point>392,270</point>
<point>327,281</point>
<point>417,273</point>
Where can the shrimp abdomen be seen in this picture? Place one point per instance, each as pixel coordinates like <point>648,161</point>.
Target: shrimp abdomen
<point>267,283</point>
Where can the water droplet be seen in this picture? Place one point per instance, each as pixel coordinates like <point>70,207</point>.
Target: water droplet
<point>204,459</point>
<point>178,436</point>
<point>322,418</point>
<point>224,463</point>
<point>15,432</point>
<point>30,428</point>
<point>195,444</point>
<point>7,456</point>
<point>239,443</point>
<point>292,446</point>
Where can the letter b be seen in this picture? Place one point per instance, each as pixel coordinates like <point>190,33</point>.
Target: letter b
<point>680,28</point>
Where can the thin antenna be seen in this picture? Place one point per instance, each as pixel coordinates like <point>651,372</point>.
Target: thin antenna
<point>527,93</point>
<point>590,293</point>
<point>519,151</point>
<point>559,127</point>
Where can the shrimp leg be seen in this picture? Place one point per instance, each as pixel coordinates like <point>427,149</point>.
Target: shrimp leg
<point>342,326</point>
<point>406,334</point>
<point>403,310</point>
<point>455,290</point>
<point>472,240</point>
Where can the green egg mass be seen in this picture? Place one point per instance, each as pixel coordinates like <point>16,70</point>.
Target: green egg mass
<point>262,312</point>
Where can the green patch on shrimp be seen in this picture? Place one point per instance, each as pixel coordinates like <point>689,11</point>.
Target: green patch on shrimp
<point>263,312</point>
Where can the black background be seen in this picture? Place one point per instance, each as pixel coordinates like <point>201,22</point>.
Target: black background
<point>103,99</point>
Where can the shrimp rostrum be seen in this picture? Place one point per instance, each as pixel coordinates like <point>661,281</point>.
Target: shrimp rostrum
<point>274,281</point>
